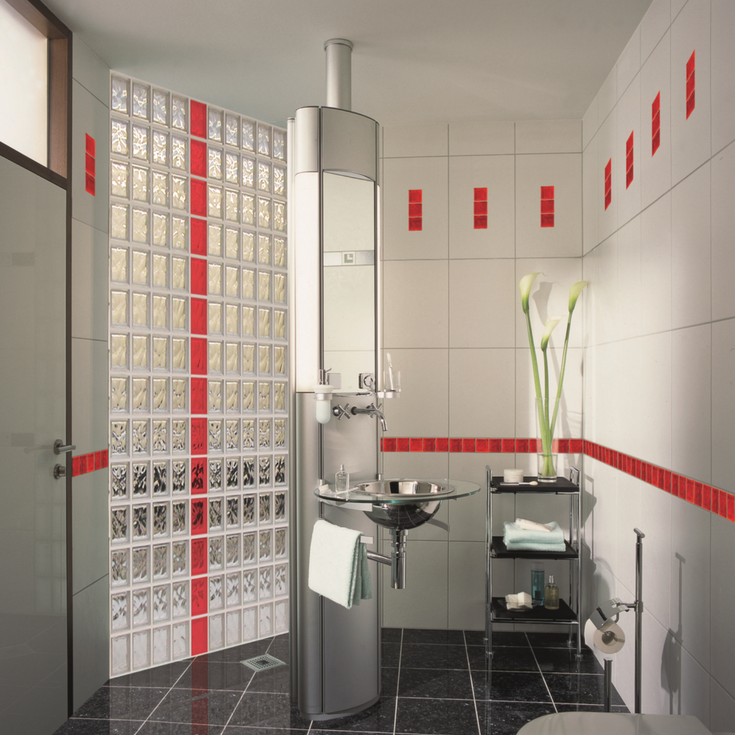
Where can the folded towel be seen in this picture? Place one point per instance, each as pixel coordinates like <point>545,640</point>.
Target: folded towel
<point>518,539</point>
<point>338,566</point>
<point>520,601</point>
<point>527,525</point>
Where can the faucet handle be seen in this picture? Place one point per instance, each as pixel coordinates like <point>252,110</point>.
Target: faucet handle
<point>339,411</point>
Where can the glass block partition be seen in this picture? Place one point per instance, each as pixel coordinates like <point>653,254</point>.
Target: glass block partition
<point>198,378</point>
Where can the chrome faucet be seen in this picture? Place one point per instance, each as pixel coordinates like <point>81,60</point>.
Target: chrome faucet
<point>371,410</point>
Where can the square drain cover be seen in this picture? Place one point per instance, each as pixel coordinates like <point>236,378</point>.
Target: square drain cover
<point>262,663</point>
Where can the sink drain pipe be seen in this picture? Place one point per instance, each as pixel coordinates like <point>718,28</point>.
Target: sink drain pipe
<point>397,558</point>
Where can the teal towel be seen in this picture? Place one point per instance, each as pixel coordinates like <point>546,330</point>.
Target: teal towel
<point>519,539</point>
<point>338,566</point>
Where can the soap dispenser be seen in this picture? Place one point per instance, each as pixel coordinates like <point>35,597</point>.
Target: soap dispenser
<point>551,594</point>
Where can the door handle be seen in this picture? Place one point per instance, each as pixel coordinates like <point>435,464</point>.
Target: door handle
<point>59,447</point>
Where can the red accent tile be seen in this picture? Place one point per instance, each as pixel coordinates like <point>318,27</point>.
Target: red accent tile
<point>675,485</point>
<point>199,395</point>
<point>105,458</point>
<point>690,64</point>
<point>480,208</point>
<point>480,222</point>
<point>706,497</point>
<point>690,490</point>
<point>198,119</point>
<point>90,186</point>
<point>547,220</point>
<point>198,476</point>
<point>198,356</point>
<point>563,446</point>
<point>690,105</point>
<point>198,191</point>
<point>481,193</point>
<point>496,445</point>
<point>482,445</point>
<point>415,224</point>
<point>198,517</point>
<point>198,236</point>
<point>608,183</point>
<point>199,636</point>
<point>198,277</point>
<point>198,316</point>
<point>629,148</point>
<point>199,594</point>
<point>547,206</point>
<point>690,84</point>
<point>416,445</point>
<point>415,195</point>
<point>429,445</point>
<point>468,445</point>
<point>667,481</point>
<point>723,503</point>
<point>198,436</point>
<point>199,158</point>
<point>697,494</point>
<point>389,444</point>
<point>575,446</point>
<point>656,142</point>
<point>715,500</point>
<point>89,145</point>
<point>198,556</point>
<point>522,446</point>
<point>455,445</point>
<point>415,210</point>
<point>656,124</point>
<point>442,444</point>
<point>75,464</point>
<point>509,445</point>
<point>403,444</point>
<point>89,164</point>
<point>98,461</point>
<point>547,192</point>
<point>730,507</point>
<point>83,464</point>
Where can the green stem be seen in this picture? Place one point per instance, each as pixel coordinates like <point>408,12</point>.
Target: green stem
<point>542,418</point>
<point>561,373</point>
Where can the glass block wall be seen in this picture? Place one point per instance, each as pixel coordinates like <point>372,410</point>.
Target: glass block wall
<point>198,378</point>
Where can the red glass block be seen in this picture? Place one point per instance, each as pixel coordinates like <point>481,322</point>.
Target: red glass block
<point>389,444</point>
<point>706,497</point>
<point>723,504</point>
<point>415,224</point>
<point>198,517</point>
<point>416,445</point>
<point>403,444</point>
<point>667,481</point>
<point>509,445</point>
<point>675,485</point>
<point>656,142</point>
<point>481,193</point>
<point>455,445</point>
<point>415,210</point>
<point>608,183</point>
<point>697,499</point>
<point>415,195</point>
<point>198,476</point>
<point>522,446</point>
<point>89,145</point>
<point>656,105</point>
<point>198,556</point>
<point>468,445</point>
<point>690,64</point>
<point>90,185</point>
<point>199,596</point>
<point>75,464</point>
<point>480,207</point>
<point>198,119</point>
<point>690,490</point>
<point>480,222</point>
<point>563,446</point>
<point>198,356</point>
<point>547,192</point>
<point>198,197</point>
<point>199,158</point>
<point>198,397</point>
<point>575,446</point>
<point>442,444</point>
<point>199,636</point>
<point>482,445</point>
<point>198,436</point>
<point>715,500</point>
<point>198,236</point>
<point>198,316</point>
<point>198,281</point>
<point>690,84</point>
<point>690,105</point>
<point>429,445</point>
<point>496,445</point>
<point>547,220</point>
<point>730,506</point>
<point>83,464</point>
<point>547,206</point>
<point>89,164</point>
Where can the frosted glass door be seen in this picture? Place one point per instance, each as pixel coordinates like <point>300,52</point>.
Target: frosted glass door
<point>33,610</point>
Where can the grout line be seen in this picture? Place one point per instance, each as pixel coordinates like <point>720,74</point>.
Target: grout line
<point>472,683</point>
<point>543,678</point>
<point>398,681</point>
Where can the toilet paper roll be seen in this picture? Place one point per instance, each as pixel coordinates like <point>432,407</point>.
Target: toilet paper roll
<point>513,475</point>
<point>609,638</point>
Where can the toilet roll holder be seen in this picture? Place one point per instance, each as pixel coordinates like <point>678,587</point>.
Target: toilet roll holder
<point>609,637</point>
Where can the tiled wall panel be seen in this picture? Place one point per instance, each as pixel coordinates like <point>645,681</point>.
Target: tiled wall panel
<point>198,381</point>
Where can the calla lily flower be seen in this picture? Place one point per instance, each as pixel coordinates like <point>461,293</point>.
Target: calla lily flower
<point>525,286</point>
<point>574,293</point>
<point>548,329</point>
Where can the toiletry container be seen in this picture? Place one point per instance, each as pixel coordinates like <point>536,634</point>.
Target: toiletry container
<point>341,480</point>
<point>551,594</point>
<point>537,583</point>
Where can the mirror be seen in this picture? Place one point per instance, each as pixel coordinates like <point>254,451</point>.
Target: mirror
<point>348,258</point>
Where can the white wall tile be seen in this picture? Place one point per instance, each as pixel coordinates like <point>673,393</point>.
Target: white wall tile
<point>488,137</point>
<point>691,278</point>
<point>627,317</point>
<point>549,136</point>
<point>628,193</point>
<point>690,605</point>
<point>415,140</point>
<point>629,63</point>
<point>89,391</point>
<point>691,441</point>
<point>604,523</point>
<point>591,194</point>
<point>415,298</point>
<point>656,266</point>
<point>626,395</point>
<point>608,150</point>
<point>723,404</point>
<point>690,138</point>
<point>723,226</point>
<point>481,393</point>
<point>655,397</point>
<point>590,124</point>
<point>722,602</point>
<point>497,174</point>
<point>400,176</point>
<point>723,80</point>
<point>90,263</point>
<point>676,8</point>
<point>90,71</point>
<point>90,494</point>
<point>563,171</point>
<point>654,169</point>
<point>655,522</point>
<point>694,694</point>
<point>655,23</point>
<point>607,96</point>
<point>421,409</point>
<point>655,687</point>
<point>481,303</point>
<point>466,585</point>
<point>722,708</point>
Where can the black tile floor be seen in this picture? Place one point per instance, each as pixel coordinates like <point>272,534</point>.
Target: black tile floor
<point>435,682</point>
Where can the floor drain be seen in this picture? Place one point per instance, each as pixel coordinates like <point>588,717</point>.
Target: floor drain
<point>262,663</point>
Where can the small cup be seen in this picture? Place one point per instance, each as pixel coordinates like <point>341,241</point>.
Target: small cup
<point>513,476</point>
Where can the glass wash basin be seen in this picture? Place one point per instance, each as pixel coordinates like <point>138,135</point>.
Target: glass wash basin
<point>400,503</point>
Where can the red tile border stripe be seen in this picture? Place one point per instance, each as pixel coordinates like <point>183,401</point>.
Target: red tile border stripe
<point>85,463</point>
<point>693,491</point>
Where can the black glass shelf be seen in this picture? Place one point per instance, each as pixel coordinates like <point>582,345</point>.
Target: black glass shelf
<point>499,550</point>
<point>560,486</point>
<point>540,614</point>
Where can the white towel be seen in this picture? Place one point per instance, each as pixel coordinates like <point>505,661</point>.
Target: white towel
<point>527,525</point>
<point>338,566</point>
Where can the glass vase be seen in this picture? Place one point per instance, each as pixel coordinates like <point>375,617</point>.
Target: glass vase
<point>546,461</point>
<point>547,464</point>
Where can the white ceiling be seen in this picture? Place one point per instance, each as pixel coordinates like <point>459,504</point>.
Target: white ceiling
<point>413,60</point>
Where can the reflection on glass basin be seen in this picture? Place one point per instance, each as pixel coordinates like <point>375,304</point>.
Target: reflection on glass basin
<point>393,490</point>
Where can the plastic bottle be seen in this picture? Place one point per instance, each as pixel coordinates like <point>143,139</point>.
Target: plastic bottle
<point>341,480</point>
<point>537,583</point>
<point>551,594</point>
